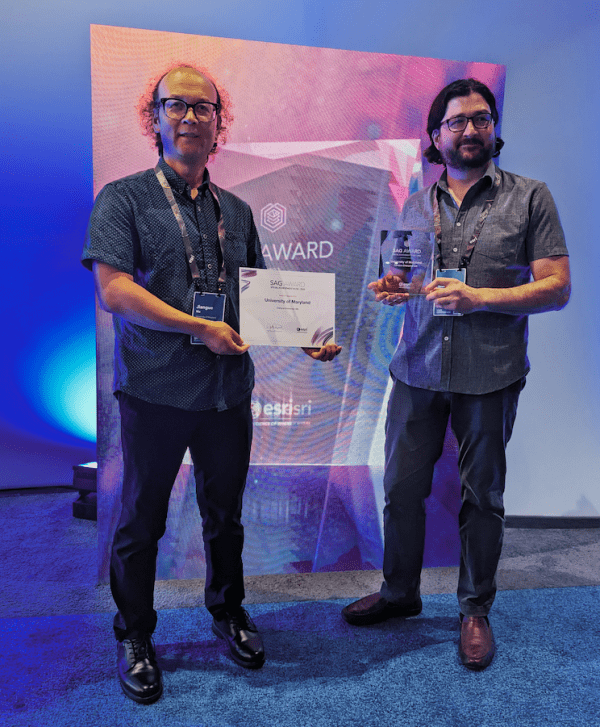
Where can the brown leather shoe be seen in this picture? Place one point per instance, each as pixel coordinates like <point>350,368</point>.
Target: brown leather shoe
<point>476,646</point>
<point>374,608</point>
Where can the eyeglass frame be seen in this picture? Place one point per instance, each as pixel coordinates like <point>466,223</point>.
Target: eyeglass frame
<point>467,119</point>
<point>188,106</point>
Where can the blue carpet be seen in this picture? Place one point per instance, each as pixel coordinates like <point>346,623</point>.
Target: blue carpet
<point>320,671</point>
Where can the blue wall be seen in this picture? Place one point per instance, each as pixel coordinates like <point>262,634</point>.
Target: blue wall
<point>551,115</point>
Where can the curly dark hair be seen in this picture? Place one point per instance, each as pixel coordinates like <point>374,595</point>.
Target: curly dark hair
<point>456,89</point>
<point>149,101</point>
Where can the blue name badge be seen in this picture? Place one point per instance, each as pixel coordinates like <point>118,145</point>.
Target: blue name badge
<point>209,306</point>
<point>457,274</point>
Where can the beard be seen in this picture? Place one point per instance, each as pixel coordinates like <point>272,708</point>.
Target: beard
<point>459,158</point>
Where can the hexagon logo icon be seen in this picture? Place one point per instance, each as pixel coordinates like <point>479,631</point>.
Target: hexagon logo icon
<point>273,216</point>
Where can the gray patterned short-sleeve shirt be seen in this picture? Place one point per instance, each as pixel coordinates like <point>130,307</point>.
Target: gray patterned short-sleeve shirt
<point>133,229</point>
<point>479,352</point>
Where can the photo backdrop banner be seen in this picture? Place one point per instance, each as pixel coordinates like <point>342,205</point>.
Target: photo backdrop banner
<point>325,147</point>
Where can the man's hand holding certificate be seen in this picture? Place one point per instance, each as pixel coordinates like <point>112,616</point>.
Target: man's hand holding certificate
<point>287,308</point>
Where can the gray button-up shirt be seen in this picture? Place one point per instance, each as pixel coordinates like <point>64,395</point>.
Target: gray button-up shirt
<point>478,352</point>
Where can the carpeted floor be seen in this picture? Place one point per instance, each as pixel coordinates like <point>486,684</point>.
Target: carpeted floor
<point>58,670</point>
<point>57,654</point>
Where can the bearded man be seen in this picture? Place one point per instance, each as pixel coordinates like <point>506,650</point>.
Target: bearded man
<point>498,255</point>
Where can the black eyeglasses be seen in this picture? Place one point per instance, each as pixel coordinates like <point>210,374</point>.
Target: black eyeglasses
<point>459,123</point>
<point>177,109</point>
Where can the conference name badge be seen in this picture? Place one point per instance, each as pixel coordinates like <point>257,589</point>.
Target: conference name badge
<point>457,274</point>
<point>211,307</point>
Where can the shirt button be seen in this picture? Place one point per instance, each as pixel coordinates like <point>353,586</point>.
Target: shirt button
<point>454,249</point>
<point>458,224</point>
<point>204,237</point>
<point>446,338</point>
<point>209,267</point>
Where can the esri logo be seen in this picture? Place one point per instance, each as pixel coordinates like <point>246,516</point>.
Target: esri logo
<point>283,413</point>
<point>273,216</point>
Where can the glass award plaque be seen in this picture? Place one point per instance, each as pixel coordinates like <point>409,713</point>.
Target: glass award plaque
<point>406,254</point>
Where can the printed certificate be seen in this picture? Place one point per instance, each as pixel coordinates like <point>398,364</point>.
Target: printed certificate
<point>287,308</point>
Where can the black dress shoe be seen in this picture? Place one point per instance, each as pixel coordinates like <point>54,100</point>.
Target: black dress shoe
<point>138,671</point>
<point>242,637</point>
<point>374,608</point>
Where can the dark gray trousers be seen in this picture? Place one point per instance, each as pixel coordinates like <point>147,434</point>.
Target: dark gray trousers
<point>415,430</point>
<point>154,440</point>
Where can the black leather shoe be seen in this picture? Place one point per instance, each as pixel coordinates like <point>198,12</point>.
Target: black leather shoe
<point>138,671</point>
<point>242,637</point>
<point>374,608</point>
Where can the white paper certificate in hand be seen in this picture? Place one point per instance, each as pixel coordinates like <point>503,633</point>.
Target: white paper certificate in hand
<point>286,308</point>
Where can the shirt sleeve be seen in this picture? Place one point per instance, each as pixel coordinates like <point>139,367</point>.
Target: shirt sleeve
<point>545,235</point>
<point>111,235</point>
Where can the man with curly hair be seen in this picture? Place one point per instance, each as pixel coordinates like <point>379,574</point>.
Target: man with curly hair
<point>165,246</point>
<point>462,354</point>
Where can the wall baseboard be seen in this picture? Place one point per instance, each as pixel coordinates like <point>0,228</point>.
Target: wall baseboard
<point>542,521</point>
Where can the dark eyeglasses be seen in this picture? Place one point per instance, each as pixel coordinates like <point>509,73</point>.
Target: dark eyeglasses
<point>177,109</point>
<point>459,123</point>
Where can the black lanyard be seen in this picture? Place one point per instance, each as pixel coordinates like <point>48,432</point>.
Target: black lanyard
<point>466,258</point>
<point>191,258</point>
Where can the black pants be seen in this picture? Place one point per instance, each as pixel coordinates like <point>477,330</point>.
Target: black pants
<point>154,440</point>
<point>415,430</point>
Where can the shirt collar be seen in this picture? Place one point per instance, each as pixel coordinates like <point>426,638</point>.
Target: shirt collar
<point>489,176</point>
<point>179,184</point>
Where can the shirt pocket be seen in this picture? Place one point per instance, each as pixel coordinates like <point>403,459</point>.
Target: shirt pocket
<point>502,239</point>
<point>236,253</point>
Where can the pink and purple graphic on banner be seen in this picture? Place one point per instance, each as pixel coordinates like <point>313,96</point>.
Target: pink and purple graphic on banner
<point>325,147</point>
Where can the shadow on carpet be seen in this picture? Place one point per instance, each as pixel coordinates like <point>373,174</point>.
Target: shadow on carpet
<point>60,670</point>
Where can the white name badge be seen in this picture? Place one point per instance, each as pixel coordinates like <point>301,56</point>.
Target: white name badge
<point>211,307</point>
<point>287,308</point>
<point>457,274</point>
